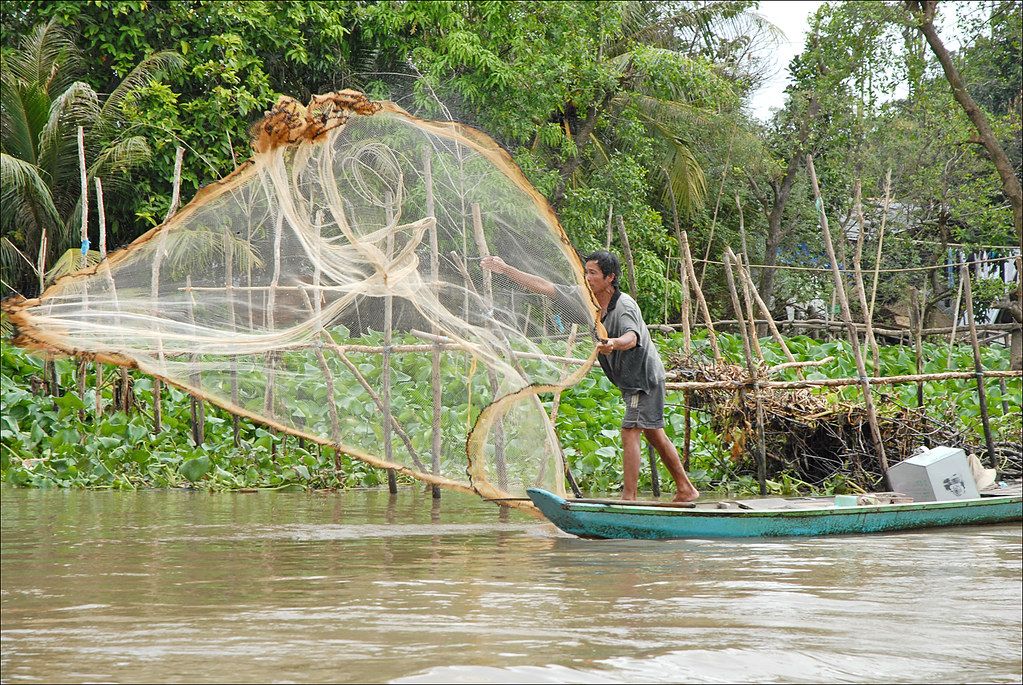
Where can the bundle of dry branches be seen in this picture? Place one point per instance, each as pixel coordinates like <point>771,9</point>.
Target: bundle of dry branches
<point>813,433</point>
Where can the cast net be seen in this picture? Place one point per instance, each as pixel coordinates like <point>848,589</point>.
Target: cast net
<point>331,288</point>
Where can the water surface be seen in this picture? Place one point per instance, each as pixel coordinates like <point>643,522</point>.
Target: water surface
<point>179,586</point>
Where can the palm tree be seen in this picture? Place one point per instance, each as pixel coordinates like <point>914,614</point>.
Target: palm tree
<point>658,40</point>
<point>42,104</point>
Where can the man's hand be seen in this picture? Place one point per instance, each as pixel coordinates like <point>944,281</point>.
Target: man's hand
<point>495,264</point>
<point>625,342</point>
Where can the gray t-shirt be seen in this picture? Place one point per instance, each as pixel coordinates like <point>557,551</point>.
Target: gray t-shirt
<point>639,369</point>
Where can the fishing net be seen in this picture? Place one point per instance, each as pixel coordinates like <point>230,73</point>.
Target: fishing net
<point>331,288</point>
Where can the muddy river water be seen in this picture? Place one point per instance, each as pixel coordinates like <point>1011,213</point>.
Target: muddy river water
<point>177,586</point>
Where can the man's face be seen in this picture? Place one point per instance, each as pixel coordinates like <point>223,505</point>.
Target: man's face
<point>596,279</point>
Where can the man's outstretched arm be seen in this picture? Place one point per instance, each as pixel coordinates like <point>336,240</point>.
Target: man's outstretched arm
<point>536,284</point>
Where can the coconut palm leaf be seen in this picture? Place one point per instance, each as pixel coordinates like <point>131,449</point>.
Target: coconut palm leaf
<point>46,57</point>
<point>12,259</point>
<point>70,262</point>
<point>113,165</point>
<point>58,142</point>
<point>686,181</point>
<point>24,109</point>
<point>21,182</point>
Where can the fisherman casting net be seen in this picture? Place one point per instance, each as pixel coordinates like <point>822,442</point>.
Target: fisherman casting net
<point>331,288</point>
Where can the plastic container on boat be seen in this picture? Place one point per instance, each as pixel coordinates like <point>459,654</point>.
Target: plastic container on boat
<point>846,500</point>
<point>937,475</point>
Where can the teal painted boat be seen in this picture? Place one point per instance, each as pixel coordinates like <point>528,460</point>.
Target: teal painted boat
<point>806,517</point>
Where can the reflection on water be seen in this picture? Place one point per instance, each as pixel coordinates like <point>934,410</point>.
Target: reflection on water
<point>361,586</point>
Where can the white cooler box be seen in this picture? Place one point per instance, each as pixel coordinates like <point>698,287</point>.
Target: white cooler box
<point>937,475</point>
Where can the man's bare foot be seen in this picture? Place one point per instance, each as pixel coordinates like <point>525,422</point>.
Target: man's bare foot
<point>690,494</point>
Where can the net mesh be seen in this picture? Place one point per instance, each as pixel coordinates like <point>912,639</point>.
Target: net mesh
<point>331,287</point>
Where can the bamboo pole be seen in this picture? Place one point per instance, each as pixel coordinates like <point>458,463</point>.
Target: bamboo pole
<point>916,325</point>
<point>83,172</point>
<point>717,205</point>
<point>315,307</point>
<point>85,197</point>
<point>624,236</point>
<point>667,281</point>
<point>905,270</point>
<point>102,219</point>
<point>847,317</point>
<point>328,377</point>
<point>748,314</point>
<point>655,476</point>
<point>744,258</point>
<point>761,456</point>
<point>691,275</point>
<point>179,155</point>
<point>435,378</point>
<point>655,481</point>
<point>978,368</point>
<point>610,221</point>
<point>839,382</point>
<point>385,375</point>
<point>766,311</point>
<point>198,409</point>
<point>861,293</point>
<point>270,319</point>
<point>49,367</point>
<point>232,322</point>
<point>877,260</point>
<point>556,403</point>
<point>687,334</point>
<point>488,302</point>
<point>997,330</point>
<point>379,401</point>
<point>955,323</point>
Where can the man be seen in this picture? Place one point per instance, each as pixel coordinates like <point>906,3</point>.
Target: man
<point>629,360</point>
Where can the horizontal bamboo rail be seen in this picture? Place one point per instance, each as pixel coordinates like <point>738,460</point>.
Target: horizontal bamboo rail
<point>908,269</point>
<point>838,325</point>
<point>837,382</point>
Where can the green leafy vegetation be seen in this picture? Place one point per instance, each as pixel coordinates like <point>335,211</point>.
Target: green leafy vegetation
<point>57,441</point>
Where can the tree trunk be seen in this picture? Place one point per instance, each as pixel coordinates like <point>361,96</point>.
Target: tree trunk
<point>775,234</point>
<point>582,136</point>
<point>781,198</point>
<point>1010,184</point>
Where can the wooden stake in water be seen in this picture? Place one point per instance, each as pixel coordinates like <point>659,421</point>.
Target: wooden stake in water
<point>435,378</point>
<point>655,481</point>
<point>843,301</point>
<point>101,216</point>
<point>488,301</point>
<point>179,156</point>
<point>978,367</point>
<point>385,374</point>
<point>751,369</point>
<point>554,413</point>
<point>198,409</point>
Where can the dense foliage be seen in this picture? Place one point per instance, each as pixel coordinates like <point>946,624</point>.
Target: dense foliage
<point>60,442</point>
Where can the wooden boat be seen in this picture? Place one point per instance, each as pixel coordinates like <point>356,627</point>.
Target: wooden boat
<point>614,519</point>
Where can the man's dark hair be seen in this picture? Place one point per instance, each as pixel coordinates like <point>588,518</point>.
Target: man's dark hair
<point>608,264</point>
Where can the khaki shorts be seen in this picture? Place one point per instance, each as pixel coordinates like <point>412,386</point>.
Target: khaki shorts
<point>644,409</point>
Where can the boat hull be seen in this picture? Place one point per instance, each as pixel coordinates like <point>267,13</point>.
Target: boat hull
<point>625,521</point>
